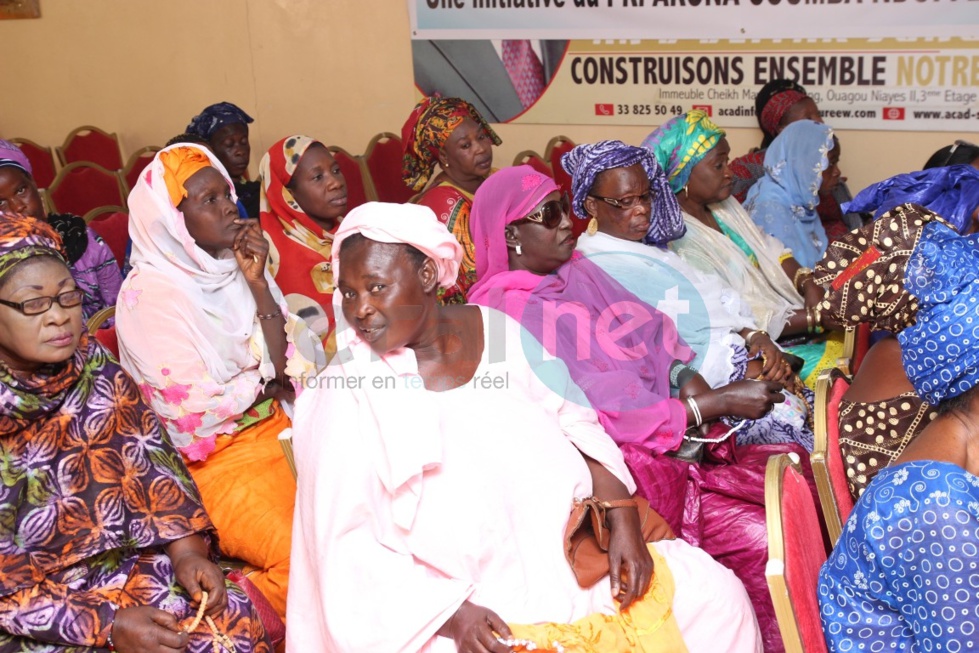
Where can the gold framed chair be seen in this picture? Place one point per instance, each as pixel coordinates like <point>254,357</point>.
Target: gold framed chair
<point>828,469</point>
<point>795,554</point>
<point>93,145</point>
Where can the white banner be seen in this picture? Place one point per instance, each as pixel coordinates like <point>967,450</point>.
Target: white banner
<point>691,19</point>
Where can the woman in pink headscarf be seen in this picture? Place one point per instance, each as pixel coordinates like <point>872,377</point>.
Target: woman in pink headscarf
<point>627,359</point>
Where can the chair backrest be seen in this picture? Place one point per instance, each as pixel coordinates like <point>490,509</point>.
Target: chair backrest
<point>81,187</point>
<point>285,441</point>
<point>111,223</point>
<point>535,161</point>
<point>795,554</point>
<point>384,162</point>
<point>556,148</point>
<point>106,336</point>
<point>136,164</point>
<point>42,161</point>
<point>359,188</point>
<point>827,458</point>
<point>88,143</point>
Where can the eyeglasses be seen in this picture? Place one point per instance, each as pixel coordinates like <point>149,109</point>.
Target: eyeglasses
<point>628,201</point>
<point>40,305</point>
<point>551,214</point>
<point>954,147</point>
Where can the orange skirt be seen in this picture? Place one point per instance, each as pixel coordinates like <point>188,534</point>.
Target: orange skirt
<point>249,492</point>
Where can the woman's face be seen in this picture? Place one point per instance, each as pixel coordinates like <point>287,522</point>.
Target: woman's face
<point>468,153</point>
<point>211,216</point>
<point>319,187</point>
<point>230,145</point>
<point>804,109</point>
<point>710,179</point>
<point>543,249</point>
<point>631,185</point>
<point>831,175</point>
<point>30,341</point>
<point>19,194</point>
<point>385,294</point>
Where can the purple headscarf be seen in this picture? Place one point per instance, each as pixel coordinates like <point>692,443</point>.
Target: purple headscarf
<point>13,156</point>
<point>618,349</point>
<point>585,162</point>
<point>952,192</point>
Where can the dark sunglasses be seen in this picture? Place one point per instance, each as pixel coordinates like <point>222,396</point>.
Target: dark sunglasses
<point>628,201</point>
<point>40,305</point>
<point>551,214</point>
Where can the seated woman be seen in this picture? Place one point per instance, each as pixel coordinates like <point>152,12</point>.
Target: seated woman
<point>207,335</point>
<point>451,133</point>
<point>627,358</point>
<point>427,498</point>
<point>958,153</point>
<point>902,576</point>
<point>111,548</point>
<point>225,128</point>
<point>721,239</point>
<point>783,202</point>
<point>709,316</point>
<point>92,264</point>
<point>864,272</point>
<point>778,104</point>
<point>951,191</point>
<point>304,197</point>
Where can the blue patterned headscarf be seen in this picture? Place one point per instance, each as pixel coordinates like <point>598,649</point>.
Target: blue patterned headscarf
<point>585,162</point>
<point>952,192</point>
<point>941,350</point>
<point>215,117</point>
<point>680,144</point>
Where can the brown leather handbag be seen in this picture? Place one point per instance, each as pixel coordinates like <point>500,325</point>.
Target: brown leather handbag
<point>586,537</point>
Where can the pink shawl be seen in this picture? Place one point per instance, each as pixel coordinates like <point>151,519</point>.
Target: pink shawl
<point>618,349</point>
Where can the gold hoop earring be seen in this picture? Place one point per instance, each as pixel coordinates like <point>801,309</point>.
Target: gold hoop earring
<point>686,190</point>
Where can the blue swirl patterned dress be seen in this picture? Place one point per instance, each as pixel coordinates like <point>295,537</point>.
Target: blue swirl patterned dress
<point>904,575</point>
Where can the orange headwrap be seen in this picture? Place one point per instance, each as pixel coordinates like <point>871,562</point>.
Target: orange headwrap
<point>178,166</point>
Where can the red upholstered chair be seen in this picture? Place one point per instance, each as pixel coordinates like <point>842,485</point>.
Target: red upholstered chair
<point>795,554</point>
<point>826,457</point>
<point>106,336</point>
<point>359,188</point>
<point>112,224</point>
<point>383,158</point>
<point>535,161</point>
<point>41,158</point>
<point>81,187</point>
<point>88,143</point>
<point>556,148</point>
<point>136,164</point>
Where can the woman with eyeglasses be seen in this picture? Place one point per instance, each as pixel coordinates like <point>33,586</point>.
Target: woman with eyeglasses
<point>106,541</point>
<point>629,361</point>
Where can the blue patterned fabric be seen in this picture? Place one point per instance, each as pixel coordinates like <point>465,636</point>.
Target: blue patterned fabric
<point>215,117</point>
<point>904,575</point>
<point>952,192</point>
<point>585,162</point>
<point>941,350</point>
<point>783,202</point>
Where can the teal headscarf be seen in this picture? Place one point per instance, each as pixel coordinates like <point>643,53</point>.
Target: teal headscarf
<point>681,143</point>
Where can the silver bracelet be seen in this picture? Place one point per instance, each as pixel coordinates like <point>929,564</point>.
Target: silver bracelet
<point>270,316</point>
<point>695,409</point>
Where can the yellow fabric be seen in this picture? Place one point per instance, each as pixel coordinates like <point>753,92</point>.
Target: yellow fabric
<point>648,626</point>
<point>831,354</point>
<point>178,166</point>
<point>249,493</point>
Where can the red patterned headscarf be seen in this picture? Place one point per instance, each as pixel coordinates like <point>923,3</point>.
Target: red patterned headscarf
<point>427,129</point>
<point>776,107</point>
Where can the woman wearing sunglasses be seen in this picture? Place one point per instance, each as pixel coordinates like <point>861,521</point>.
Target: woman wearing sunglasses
<point>628,359</point>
